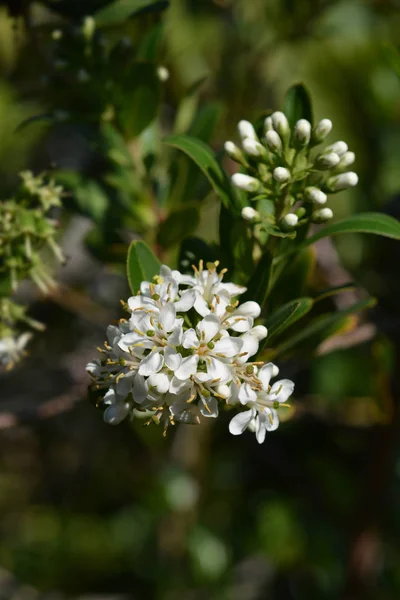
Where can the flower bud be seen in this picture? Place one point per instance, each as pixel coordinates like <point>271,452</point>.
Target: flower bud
<point>346,160</point>
<point>338,147</point>
<point>281,174</point>
<point>88,28</point>
<point>289,222</point>
<point>246,130</point>
<point>254,148</point>
<point>327,161</point>
<point>259,332</point>
<point>268,126</point>
<point>275,370</point>
<point>114,414</point>
<point>235,152</point>
<point>322,215</point>
<point>162,73</point>
<point>342,181</point>
<point>249,309</point>
<point>323,129</point>
<point>280,123</point>
<point>274,142</point>
<point>315,195</point>
<point>245,182</point>
<point>223,390</point>
<point>302,133</point>
<point>249,214</point>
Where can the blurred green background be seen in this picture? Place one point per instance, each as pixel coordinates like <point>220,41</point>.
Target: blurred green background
<point>95,512</point>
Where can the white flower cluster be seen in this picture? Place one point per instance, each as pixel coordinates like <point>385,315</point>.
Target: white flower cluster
<point>12,348</point>
<point>184,350</point>
<point>278,165</point>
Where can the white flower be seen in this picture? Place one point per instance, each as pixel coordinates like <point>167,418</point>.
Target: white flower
<point>289,221</point>
<point>281,174</point>
<point>262,403</point>
<point>246,183</point>
<point>249,214</point>
<point>12,349</point>
<point>273,141</point>
<point>327,161</point>
<point>253,148</point>
<point>323,129</point>
<point>342,181</point>
<point>339,148</point>
<point>246,130</point>
<point>302,132</point>
<point>322,215</point>
<point>315,195</point>
<point>280,123</point>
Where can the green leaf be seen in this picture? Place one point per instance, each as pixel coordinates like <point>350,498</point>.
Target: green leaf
<point>138,99</point>
<point>180,222</point>
<point>242,243</point>
<point>123,9</point>
<point>287,315</point>
<point>320,329</point>
<point>258,284</point>
<point>375,223</point>
<point>297,104</point>
<point>141,265</point>
<point>333,291</point>
<point>290,278</point>
<point>205,159</point>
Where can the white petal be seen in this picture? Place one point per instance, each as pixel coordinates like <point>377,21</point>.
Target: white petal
<point>160,381</point>
<point>239,422</point>
<point>249,309</point>
<point>187,367</point>
<point>209,407</point>
<point>233,289</point>
<point>240,324</point>
<point>177,386</point>
<point>247,394</point>
<point>125,383</point>
<point>151,364</point>
<point>271,419</point>
<point>167,316</point>
<point>218,370</point>
<point>186,301</point>
<point>228,346</point>
<point>224,390</point>
<point>208,328</point>
<point>201,306</point>
<point>172,358</point>
<point>114,414</point>
<point>281,390</point>
<point>140,389</point>
<point>113,334</point>
<point>261,429</point>
<point>175,339</point>
<point>259,332</point>
<point>110,397</point>
<point>185,414</point>
<point>265,374</point>
<point>190,339</point>
<point>250,347</point>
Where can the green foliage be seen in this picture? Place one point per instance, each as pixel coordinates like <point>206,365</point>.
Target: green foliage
<point>141,265</point>
<point>297,104</point>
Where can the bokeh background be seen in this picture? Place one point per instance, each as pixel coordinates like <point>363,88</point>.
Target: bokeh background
<point>94,512</point>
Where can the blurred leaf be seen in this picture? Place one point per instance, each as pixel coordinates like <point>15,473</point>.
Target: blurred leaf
<point>376,223</point>
<point>205,159</point>
<point>241,241</point>
<point>141,265</point>
<point>287,315</point>
<point>297,104</point>
<point>193,250</point>
<point>90,198</point>
<point>392,56</point>
<point>258,284</point>
<point>289,280</point>
<point>320,329</point>
<point>123,9</point>
<point>149,46</point>
<point>138,104</point>
<point>180,222</point>
<point>333,291</point>
<point>5,286</point>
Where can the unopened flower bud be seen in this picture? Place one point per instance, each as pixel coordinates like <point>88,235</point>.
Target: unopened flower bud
<point>162,73</point>
<point>322,215</point>
<point>281,174</point>
<point>268,125</point>
<point>338,147</point>
<point>302,133</point>
<point>280,123</point>
<point>88,28</point>
<point>342,181</point>
<point>235,152</point>
<point>274,142</point>
<point>346,160</point>
<point>323,129</point>
<point>246,130</point>
<point>249,214</point>
<point>254,148</point>
<point>260,332</point>
<point>223,390</point>
<point>327,161</point>
<point>289,222</point>
<point>315,195</point>
<point>275,371</point>
<point>245,182</point>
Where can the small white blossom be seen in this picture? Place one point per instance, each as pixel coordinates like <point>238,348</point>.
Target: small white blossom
<point>323,129</point>
<point>339,148</point>
<point>289,221</point>
<point>253,148</point>
<point>249,214</point>
<point>246,130</point>
<point>280,123</point>
<point>281,174</point>
<point>322,215</point>
<point>302,132</point>
<point>273,141</point>
<point>246,183</point>
<point>315,195</point>
<point>327,161</point>
<point>342,181</point>
<point>12,349</point>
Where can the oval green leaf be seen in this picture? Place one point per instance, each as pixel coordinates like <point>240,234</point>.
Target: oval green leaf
<point>297,104</point>
<point>206,160</point>
<point>141,265</point>
<point>287,315</point>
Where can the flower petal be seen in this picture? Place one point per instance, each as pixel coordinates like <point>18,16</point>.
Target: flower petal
<point>186,301</point>
<point>261,429</point>
<point>187,367</point>
<point>247,394</point>
<point>167,316</point>
<point>228,346</point>
<point>160,382</point>
<point>114,414</point>
<point>190,339</point>
<point>125,383</point>
<point>240,324</point>
<point>281,390</point>
<point>272,419</point>
<point>265,374</point>
<point>248,309</point>
<point>172,358</point>
<point>151,364</point>
<point>208,328</point>
<point>240,421</point>
<point>201,306</point>
<point>218,370</point>
<point>209,407</point>
<point>249,348</point>
<point>140,389</point>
